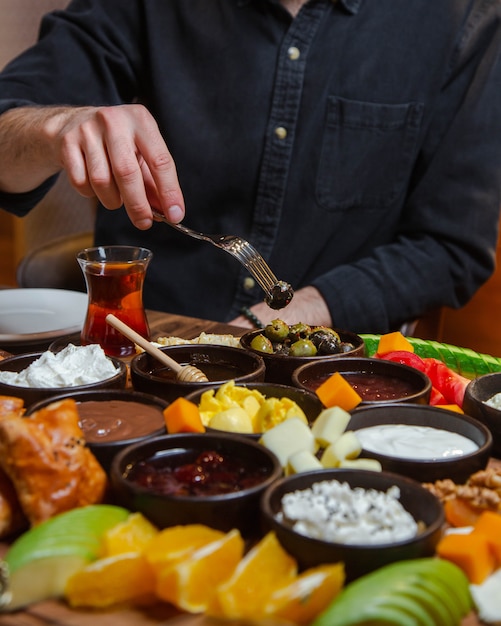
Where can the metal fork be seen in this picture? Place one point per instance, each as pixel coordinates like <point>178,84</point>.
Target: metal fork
<point>277,293</point>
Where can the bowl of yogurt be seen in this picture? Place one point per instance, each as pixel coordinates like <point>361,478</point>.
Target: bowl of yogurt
<point>422,442</point>
<point>39,375</point>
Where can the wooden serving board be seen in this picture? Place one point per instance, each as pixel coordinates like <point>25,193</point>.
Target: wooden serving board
<point>56,613</point>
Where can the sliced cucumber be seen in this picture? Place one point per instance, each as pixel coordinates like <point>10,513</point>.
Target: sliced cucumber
<point>465,361</point>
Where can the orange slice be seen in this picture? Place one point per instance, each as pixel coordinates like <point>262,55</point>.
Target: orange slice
<point>244,595</point>
<point>121,579</point>
<point>310,593</point>
<point>191,583</point>
<point>178,542</point>
<point>132,535</point>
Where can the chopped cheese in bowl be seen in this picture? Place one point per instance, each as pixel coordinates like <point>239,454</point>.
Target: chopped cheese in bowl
<point>253,408</point>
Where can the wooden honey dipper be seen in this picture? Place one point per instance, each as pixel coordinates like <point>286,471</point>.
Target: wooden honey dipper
<point>184,373</point>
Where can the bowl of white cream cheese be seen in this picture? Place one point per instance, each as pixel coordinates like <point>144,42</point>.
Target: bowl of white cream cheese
<point>39,375</point>
<point>423,442</point>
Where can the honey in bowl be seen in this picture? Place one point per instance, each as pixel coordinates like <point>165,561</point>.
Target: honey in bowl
<point>215,372</point>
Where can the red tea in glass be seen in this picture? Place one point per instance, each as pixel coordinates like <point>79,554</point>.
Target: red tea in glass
<point>114,276</point>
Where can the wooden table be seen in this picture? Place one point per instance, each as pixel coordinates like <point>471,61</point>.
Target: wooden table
<point>52,613</point>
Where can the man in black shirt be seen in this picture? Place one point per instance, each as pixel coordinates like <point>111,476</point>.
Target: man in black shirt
<point>355,143</point>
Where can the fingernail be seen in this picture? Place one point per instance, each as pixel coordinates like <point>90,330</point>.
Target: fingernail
<point>175,213</point>
<point>144,224</point>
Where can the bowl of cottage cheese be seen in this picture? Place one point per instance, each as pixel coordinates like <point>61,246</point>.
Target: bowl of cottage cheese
<point>39,375</point>
<point>361,518</point>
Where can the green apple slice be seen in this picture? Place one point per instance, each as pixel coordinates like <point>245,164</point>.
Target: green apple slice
<point>377,598</point>
<point>38,564</point>
<point>435,597</point>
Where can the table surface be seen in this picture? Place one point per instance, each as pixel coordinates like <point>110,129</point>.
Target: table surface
<point>54,613</point>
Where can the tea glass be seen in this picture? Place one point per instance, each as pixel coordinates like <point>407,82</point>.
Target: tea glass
<point>114,276</point>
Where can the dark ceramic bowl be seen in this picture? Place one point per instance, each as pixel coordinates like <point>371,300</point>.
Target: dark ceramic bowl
<point>306,400</point>
<point>359,559</point>
<point>219,364</point>
<point>112,419</point>
<point>457,468</point>
<point>477,392</point>
<point>279,367</point>
<point>61,342</point>
<point>223,511</point>
<point>375,380</point>
<point>30,395</point>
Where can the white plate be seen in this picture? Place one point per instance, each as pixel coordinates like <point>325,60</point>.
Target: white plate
<point>38,315</point>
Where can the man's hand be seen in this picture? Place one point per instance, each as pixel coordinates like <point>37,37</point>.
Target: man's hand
<point>116,154</point>
<point>306,306</point>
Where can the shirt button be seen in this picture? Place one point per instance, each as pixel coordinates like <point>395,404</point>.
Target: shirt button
<point>280,132</point>
<point>293,53</point>
<point>249,283</point>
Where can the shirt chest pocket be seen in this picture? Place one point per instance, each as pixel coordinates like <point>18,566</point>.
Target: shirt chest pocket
<point>367,153</point>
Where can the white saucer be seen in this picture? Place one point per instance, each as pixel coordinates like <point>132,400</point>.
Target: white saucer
<point>31,316</point>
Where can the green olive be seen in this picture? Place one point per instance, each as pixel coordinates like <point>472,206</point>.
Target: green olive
<point>262,344</point>
<point>299,331</point>
<point>277,330</point>
<point>303,347</point>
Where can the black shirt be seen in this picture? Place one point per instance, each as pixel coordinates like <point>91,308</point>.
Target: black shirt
<point>357,146</point>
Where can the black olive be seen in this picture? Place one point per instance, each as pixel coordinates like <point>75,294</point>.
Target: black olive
<point>329,345</point>
<point>346,346</point>
<point>323,331</point>
<point>279,295</point>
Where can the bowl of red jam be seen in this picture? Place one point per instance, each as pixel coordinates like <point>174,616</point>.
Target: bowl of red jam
<point>218,363</point>
<point>375,380</point>
<point>196,478</point>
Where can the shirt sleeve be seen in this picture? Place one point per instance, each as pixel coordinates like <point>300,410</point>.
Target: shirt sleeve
<point>99,67</point>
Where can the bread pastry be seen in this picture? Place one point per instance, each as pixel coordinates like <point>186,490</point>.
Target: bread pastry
<point>46,459</point>
<point>9,404</point>
<point>12,518</point>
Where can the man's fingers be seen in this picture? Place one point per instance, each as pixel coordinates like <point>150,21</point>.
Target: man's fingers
<point>159,172</point>
<point>118,154</point>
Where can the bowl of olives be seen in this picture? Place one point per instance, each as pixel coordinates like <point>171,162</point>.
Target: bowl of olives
<point>285,347</point>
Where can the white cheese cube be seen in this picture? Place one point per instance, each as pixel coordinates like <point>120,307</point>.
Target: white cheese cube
<point>302,461</point>
<point>287,438</point>
<point>361,463</point>
<point>347,446</point>
<point>330,425</point>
